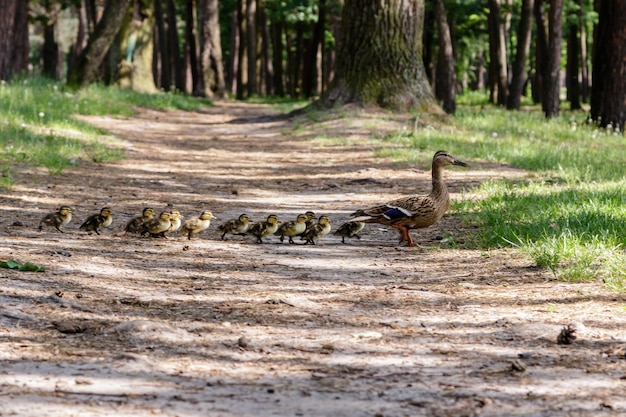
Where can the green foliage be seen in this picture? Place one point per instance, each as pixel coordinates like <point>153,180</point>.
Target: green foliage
<point>568,212</point>
<point>25,267</point>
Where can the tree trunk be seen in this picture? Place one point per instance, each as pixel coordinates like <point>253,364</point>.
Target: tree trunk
<point>309,70</point>
<point>177,63</point>
<point>573,61</point>
<point>584,67</point>
<point>135,49</point>
<point>541,53</point>
<point>88,63</point>
<point>197,87</point>
<point>518,79</point>
<point>164,69</point>
<point>50,52</point>
<point>233,61</point>
<point>266,59</point>
<point>428,56</point>
<point>21,48</point>
<point>216,82</point>
<point>251,46</point>
<point>242,53</point>
<point>445,87</point>
<point>379,59</point>
<point>608,94</point>
<point>276,28</point>
<point>7,27</point>
<point>553,66</point>
<point>499,83</point>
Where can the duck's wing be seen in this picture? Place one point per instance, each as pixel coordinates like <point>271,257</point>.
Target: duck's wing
<point>396,210</point>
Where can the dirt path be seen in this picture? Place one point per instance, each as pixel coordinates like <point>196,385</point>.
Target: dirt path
<point>129,326</point>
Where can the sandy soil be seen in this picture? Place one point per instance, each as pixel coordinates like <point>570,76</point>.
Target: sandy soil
<point>131,326</point>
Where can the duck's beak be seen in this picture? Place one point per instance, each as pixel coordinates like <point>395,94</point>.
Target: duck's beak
<point>460,163</point>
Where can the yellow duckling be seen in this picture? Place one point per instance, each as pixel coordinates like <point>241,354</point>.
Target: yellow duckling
<point>58,219</point>
<point>349,229</point>
<point>157,226</point>
<point>134,225</point>
<point>263,229</point>
<point>197,225</point>
<point>237,226</point>
<point>316,231</point>
<point>176,221</point>
<point>99,221</point>
<point>292,228</point>
<point>414,211</point>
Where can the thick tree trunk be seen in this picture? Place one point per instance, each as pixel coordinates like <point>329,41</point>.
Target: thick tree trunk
<point>7,27</point>
<point>379,59</point>
<point>446,77</point>
<point>135,49</point>
<point>266,59</point>
<point>242,53</point>
<point>50,52</point>
<point>608,93</point>
<point>428,55</point>
<point>233,61</point>
<point>518,79</point>
<point>197,87</point>
<point>89,61</point>
<point>21,48</point>
<point>498,76</point>
<point>309,70</point>
<point>584,66</point>
<point>212,64</point>
<point>553,66</point>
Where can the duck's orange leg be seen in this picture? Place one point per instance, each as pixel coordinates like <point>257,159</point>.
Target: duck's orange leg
<point>404,235</point>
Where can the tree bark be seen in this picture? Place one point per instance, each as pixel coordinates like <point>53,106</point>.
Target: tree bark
<point>266,59</point>
<point>7,26</point>
<point>276,28</point>
<point>242,54</point>
<point>445,87</point>
<point>584,67</point>
<point>211,63</point>
<point>309,70</point>
<point>177,63</point>
<point>163,68</point>
<point>21,48</point>
<point>553,66</point>
<point>379,59</point>
<point>499,83</point>
<point>197,87</point>
<point>541,53</point>
<point>251,46</point>
<point>518,79</point>
<point>608,93</point>
<point>135,49</point>
<point>573,62</point>
<point>89,61</point>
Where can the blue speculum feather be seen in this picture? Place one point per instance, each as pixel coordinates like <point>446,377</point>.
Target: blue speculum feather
<point>395,213</point>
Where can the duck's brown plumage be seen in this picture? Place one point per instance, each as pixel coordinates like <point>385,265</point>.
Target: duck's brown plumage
<point>415,211</point>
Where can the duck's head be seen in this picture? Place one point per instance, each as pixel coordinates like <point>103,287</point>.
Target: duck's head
<point>148,212</point>
<point>272,219</point>
<point>106,211</point>
<point>65,210</point>
<point>244,218</point>
<point>206,215</point>
<point>302,218</point>
<point>165,215</point>
<point>175,214</point>
<point>310,215</point>
<point>443,158</point>
<point>324,220</point>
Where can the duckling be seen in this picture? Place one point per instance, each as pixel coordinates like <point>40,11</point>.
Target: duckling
<point>310,219</point>
<point>157,226</point>
<point>134,225</point>
<point>414,211</point>
<point>194,226</point>
<point>58,219</point>
<point>99,221</point>
<point>292,228</point>
<point>266,228</point>
<point>316,231</point>
<point>237,226</point>
<point>175,220</point>
<point>349,229</point>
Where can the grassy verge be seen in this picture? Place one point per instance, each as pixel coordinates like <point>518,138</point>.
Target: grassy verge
<point>569,216</point>
<point>37,126</point>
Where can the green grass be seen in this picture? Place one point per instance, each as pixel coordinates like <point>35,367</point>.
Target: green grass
<point>568,214</point>
<point>38,127</point>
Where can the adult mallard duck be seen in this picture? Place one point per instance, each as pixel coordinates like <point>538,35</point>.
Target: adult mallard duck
<point>99,221</point>
<point>414,211</point>
<point>349,229</point>
<point>263,229</point>
<point>316,231</point>
<point>58,219</point>
<point>197,225</point>
<point>292,228</point>
<point>134,224</point>
<point>236,226</point>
